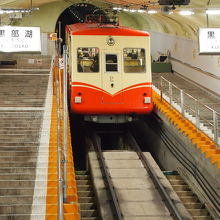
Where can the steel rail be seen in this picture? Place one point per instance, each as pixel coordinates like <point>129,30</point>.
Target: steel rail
<point>168,201</point>
<point>107,176</point>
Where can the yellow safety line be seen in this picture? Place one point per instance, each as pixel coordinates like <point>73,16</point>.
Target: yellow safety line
<point>199,139</point>
<point>71,209</point>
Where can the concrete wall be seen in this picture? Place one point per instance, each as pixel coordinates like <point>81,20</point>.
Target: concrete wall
<point>203,69</point>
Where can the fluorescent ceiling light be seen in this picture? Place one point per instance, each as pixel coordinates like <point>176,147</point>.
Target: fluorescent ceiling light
<point>117,8</point>
<point>133,10</point>
<point>152,12</point>
<point>12,10</point>
<point>213,11</point>
<point>186,12</point>
<point>140,11</point>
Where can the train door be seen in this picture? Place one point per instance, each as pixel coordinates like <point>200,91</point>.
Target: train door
<point>112,83</point>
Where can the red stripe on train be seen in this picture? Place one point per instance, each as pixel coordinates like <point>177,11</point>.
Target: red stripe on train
<point>97,101</point>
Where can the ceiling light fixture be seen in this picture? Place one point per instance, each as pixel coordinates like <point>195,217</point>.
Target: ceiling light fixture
<point>18,10</point>
<point>152,12</point>
<point>186,12</point>
<point>213,11</point>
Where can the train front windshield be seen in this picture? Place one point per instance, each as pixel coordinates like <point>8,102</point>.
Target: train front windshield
<point>134,60</point>
<point>88,59</point>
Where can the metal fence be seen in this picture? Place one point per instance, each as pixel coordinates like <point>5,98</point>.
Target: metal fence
<point>202,116</point>
<point>62,115</point>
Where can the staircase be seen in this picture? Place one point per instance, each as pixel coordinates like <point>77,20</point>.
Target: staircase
<point>192,203</point>
<point>22,107</point>
<point>18,157</point>
<point>86,197</point>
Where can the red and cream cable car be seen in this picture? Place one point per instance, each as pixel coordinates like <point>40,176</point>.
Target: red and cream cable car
<point>110,71</point>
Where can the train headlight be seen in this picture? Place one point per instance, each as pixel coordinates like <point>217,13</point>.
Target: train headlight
<point>110,41</point>
<point>147,100</point>
<point>78,99</point>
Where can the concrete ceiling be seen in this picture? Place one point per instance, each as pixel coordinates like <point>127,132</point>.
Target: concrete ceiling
<point>186,26</point>
<point>131,3</point>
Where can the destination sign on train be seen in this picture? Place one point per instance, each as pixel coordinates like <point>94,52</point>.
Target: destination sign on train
<point>209,40</point>
<point>20,39</point>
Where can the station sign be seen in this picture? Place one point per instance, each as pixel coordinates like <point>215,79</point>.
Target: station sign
<point>209,40</point>
<point>20,39</point>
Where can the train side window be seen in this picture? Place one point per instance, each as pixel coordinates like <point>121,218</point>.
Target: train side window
<point>134,60</point>
<point>88,59</point>
<point>111,62</point>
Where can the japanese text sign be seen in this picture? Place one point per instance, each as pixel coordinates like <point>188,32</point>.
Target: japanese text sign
<point>209,40</point>
<point>20,39</point>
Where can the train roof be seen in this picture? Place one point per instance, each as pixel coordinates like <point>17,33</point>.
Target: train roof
<point>106,29</point>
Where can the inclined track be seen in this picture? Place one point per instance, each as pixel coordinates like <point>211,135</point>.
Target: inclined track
<point>137,187</point>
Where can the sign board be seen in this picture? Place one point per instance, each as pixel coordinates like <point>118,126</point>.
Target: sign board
<point>61,63</point>
<point>209,40</point>
<point>20,39</point>
<point>52,36</point>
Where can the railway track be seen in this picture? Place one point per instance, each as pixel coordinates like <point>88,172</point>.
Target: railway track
<point>129,184</point>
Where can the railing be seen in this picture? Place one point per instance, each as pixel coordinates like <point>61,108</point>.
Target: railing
<point>62,114</point>
<point>202,116</point>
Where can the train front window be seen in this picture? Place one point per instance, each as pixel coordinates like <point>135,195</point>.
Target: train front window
<point>88,59</point>
<point>111,62</point>
<point>134,60</point>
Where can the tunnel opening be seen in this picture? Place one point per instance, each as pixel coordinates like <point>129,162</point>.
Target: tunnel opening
<point>75,14</point>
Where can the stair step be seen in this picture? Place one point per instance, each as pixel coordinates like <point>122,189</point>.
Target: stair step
<point>88,213</point>
<point>18,164</point>
<point>18,153</point>
<point>16,183</point>
<point>86,200</point>
<point>19,148</point>
<point>86,206</point>
<point>15,200</point>
<point>198,212</point>
<point>181,188</point>
<point>202,218</point>
<point>25,170</point>
<point>12,191</point>
<point>18,209</point>
<point>84,188</point>
<point>194,205</point>
<point>82,177</point>
<point>174,177</point>
<point>83,182</point>
<point>85,193</point>
<point>189,199</point>
<point>89,218</point>
<point>15,176</point>
<point>18,159</point>
<point>184,193</point>
<point>15,144</point>
<point>81,172</point>
<point>177,182</point>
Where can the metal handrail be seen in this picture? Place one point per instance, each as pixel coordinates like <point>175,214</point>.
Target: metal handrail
<point>59,159</point>
<point>62,153</point>
<point>65,109</point>
<point>196,111</point>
